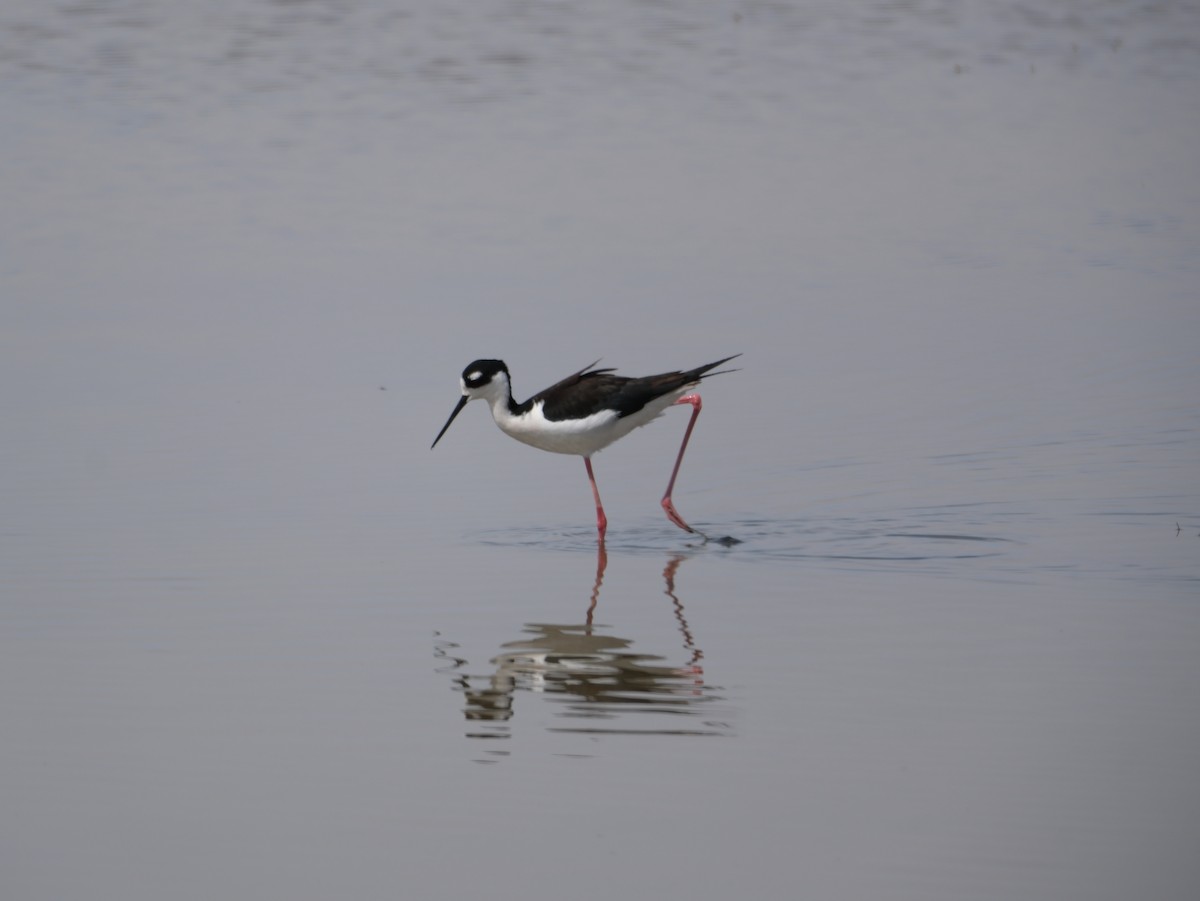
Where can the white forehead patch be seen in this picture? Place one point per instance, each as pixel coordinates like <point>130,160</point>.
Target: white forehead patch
<point>474,376</point>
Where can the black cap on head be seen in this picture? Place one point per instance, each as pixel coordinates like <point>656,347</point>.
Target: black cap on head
<point>481,372</point>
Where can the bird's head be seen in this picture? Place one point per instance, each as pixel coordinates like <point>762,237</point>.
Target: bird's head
<point>487,379</point>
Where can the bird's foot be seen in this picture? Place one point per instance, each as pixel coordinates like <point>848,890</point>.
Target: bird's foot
<point>673,515</point>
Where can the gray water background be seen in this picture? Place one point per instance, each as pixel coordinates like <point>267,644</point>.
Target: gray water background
<point>258,641</point>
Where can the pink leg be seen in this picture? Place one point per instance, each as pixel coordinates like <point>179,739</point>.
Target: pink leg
<point>667,505</point>
<point>601,519</point>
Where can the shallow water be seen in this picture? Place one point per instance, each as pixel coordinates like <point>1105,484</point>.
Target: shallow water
<point>256,639</point>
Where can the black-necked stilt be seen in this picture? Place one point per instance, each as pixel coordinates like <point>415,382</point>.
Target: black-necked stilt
<point>585,412</point>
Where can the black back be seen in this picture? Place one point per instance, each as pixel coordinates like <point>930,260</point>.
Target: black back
<point>590,391</point>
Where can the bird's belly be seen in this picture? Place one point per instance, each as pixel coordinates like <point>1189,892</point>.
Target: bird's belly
<point>582,437</point>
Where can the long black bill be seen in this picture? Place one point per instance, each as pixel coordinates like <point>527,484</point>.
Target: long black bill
<point>462,402</point>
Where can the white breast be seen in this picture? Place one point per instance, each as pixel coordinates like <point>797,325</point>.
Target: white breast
<point>583,437</point>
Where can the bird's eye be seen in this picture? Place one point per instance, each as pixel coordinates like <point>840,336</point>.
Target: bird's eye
<point>474,376</point>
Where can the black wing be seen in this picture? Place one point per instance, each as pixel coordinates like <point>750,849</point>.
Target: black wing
<point>591,391</point>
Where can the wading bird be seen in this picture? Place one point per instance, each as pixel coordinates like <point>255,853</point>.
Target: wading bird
<point>585,412</point>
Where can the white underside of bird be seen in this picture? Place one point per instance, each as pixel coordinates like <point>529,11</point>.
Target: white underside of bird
<point>582,437</point>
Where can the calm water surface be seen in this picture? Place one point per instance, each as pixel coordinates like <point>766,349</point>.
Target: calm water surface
<point>258,641</point>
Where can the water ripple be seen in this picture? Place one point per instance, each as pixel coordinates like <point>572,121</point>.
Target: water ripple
<point>842,539</point>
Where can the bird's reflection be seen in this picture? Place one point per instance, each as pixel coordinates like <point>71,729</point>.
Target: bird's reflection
<point>603,685</point>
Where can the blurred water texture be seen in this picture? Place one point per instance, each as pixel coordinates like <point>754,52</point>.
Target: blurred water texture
<point>256,638</point>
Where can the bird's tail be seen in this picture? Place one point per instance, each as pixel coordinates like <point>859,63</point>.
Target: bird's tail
<point>702,372</point>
